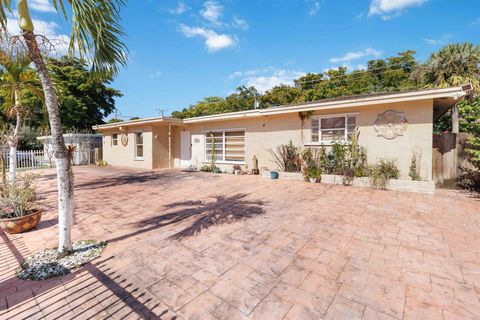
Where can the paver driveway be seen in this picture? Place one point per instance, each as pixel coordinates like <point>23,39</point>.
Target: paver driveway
<point>206,246</point>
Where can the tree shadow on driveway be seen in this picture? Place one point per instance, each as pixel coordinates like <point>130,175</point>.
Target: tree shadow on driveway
<point>222,210</point>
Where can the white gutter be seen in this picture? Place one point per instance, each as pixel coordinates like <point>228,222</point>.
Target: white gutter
<point>453,92</point>
<point>137,122</point>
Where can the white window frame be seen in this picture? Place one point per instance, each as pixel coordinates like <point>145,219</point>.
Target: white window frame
<point>321,142</point>
<point>115,145</point>
<point>207,158</point>
<point>135,144</point>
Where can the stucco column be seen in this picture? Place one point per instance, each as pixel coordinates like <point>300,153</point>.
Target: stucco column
<point>169,146</point>
<point>455,120</point>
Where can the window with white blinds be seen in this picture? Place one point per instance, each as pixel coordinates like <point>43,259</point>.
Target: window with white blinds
<point>227,146</point>
<point>334,128</point>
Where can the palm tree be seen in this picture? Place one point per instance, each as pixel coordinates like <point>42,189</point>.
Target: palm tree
<point>96,33</point>
<point>15,77</point>
<point>453,65</point>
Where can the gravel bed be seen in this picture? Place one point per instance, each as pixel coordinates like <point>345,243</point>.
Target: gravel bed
<point>45,264</point>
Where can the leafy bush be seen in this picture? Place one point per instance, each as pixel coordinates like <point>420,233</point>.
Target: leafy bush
<point>346,159</point>
<point>383,171</point>
<point>311,164</point>
<point>470,176</point>
<point>315,173</point>
<point>287,157</point>
<point>18,197</point>
<point>414,172</point>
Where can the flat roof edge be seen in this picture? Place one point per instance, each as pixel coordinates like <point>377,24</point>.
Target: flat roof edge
<point>340,102</point>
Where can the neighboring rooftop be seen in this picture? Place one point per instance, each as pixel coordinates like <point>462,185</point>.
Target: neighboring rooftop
<point>444,98</point>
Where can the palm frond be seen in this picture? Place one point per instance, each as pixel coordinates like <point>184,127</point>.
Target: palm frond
<point>96,34</point>
<point>4,8</point>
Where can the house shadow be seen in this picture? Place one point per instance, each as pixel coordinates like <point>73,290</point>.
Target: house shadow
<point>205,214</point>
<point>140,178</point>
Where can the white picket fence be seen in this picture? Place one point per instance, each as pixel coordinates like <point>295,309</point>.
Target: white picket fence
<point>30,159</point>
<point>40,159</point>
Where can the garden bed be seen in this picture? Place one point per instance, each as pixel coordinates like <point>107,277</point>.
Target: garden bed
<point>46,264</point>
<point>427,187</point>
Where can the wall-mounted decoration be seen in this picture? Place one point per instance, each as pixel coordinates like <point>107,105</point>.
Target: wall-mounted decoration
<point>390,124</point>
<point>124,139</point>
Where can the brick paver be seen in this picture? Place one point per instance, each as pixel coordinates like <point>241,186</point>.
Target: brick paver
<point>208,246</point>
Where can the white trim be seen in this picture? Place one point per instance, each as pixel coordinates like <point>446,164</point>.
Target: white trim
<point>330,116</point>
<point>225,130</point>
<point>349,114</point>
<point>225,162</point>
<point>135,145</point>
<point>223,142</point>
<point>359,101</point>
<point>114,145</point>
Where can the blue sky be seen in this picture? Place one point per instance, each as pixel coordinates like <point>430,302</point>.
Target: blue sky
<point>182,51</point>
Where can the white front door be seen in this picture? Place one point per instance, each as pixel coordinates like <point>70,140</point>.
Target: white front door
<point>185,149</point>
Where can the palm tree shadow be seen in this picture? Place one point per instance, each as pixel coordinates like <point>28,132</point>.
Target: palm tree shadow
<point>222,210</point>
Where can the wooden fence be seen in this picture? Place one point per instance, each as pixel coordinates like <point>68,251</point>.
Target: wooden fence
<point>448,155</point>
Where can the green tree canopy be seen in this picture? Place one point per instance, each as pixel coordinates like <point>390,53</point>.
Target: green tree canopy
<point>392,74</point>
<point>84,101</point>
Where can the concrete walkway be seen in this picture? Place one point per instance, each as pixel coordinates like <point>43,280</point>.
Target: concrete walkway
<point>208,246</point>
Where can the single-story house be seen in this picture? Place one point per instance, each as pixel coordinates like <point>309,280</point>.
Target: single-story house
<point>391,125</point>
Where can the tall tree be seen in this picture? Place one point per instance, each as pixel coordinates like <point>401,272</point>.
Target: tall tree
<point>16,77</point>
<point>82,103</point>
<point>96,33</point>
<point>453,65</point>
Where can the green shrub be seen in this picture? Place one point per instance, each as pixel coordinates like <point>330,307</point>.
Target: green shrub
<point>311,159</point>
<point>315,173</point>
<point>287,157</point>
<point>414,172</point>
<point>470,175</point>
<point>382,172</point>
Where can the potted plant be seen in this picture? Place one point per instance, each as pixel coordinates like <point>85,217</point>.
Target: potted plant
<point>19,211</point>
<point>314,175</point>
<point>274,174</point>
<point>237,169</point>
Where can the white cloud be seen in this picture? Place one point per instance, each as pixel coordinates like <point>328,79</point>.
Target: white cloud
<point>240,23</point>
<point>314,8</point>
<point>266,78</point>
<point>181,8</point>
<point>212,12</point>
<point>213,40</point>
<point>155,75</point>
<point>41,5</point>
<point>369,52</point>
<point>49,29</point>
<point>437,41</point>
<point>389,9</point>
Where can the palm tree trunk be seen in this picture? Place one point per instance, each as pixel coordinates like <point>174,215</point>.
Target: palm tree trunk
<point>64,169</point>
<point>13,141</point>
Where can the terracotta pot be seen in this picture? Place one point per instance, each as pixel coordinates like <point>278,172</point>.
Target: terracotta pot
<point>21,224</point>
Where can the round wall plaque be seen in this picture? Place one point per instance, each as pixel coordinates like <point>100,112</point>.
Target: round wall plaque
<point>390,124</point>
<point>124,139</point>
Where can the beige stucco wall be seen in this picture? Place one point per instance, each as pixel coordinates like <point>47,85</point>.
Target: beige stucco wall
<point>268,132</point>
<point>125,155</point>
